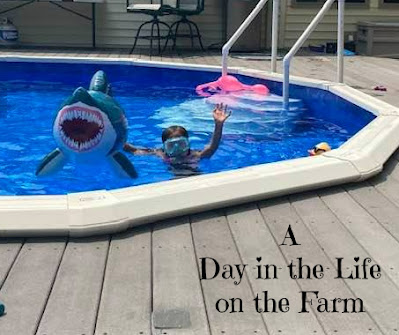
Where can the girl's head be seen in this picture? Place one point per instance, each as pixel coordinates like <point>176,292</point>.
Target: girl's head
<point>319,149</point>
<point>175,141</point>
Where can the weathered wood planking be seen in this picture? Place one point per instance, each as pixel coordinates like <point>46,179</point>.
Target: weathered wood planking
<point>212,238</point>
<point>377,205</point>
<point>253,240</point>
<point>28,285</point>
<point>387,186</point>
<point>328,230</point>
<point>178,303</point>
<point>73,303</point>
<point>126,298</point>
<point>9,250</point>
<point>391,168</point>
<point>279,215</point>
<point>381,245</point>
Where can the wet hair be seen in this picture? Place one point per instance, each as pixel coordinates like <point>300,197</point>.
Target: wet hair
<point>174,131</point>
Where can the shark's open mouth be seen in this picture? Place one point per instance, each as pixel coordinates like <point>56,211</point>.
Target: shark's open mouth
<point>81,128</point>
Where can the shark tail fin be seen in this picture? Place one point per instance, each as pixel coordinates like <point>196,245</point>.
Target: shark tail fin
<point>122,165</point>
<point>51,163</point>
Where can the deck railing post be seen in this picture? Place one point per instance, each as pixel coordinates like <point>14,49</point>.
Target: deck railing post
<point>340,41</point>
<point>276,7</point>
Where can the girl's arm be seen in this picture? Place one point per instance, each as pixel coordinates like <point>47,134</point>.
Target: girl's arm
<point>141,151</point>
<point>220,115</point>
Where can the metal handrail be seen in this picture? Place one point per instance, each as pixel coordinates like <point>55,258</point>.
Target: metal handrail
<point>288,57</point>
<point>305,35</point>
<point>226,48</point>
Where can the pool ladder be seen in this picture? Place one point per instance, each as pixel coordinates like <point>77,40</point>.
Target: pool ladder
<point>298,44</point>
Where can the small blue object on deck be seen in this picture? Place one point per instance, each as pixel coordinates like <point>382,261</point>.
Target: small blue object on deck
<point>349,53</point>
<point>2,309</point>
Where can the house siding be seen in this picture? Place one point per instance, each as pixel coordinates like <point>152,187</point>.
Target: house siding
<point>298,16</point>
<point>46,25</point>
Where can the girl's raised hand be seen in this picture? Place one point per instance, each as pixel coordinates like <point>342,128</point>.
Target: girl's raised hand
<point>220,113</point>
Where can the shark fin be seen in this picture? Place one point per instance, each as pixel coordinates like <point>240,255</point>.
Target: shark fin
<point>122,165</point>
<point>81,95</point>
<point>54,161</point>
<point>99,82</point>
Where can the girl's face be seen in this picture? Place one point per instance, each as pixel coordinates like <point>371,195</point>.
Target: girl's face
<point>176,146</point>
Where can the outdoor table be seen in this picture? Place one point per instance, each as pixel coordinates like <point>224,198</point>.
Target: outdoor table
<point>57,3</point>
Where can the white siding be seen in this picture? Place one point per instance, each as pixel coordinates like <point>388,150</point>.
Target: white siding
<point>46,25</point>
<point>299,16</point>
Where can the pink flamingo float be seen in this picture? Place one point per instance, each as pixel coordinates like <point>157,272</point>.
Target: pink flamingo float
<point>228,83</point>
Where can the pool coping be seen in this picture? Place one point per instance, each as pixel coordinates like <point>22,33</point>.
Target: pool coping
<point>103,212</point>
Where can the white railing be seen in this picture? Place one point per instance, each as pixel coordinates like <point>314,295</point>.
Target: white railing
<point>340,41</point>
<point>276,13</point>
<point>298,44</point>
<point>226,48</point>
<point>305,35</point>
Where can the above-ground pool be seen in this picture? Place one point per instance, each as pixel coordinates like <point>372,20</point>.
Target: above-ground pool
<point>259,131</point>
<point>263,153</point>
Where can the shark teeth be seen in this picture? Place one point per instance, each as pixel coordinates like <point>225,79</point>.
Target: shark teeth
<point>83,115</point>
<point>76,116</point>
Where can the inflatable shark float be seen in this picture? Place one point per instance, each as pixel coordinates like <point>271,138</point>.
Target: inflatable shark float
<point>90,125</point>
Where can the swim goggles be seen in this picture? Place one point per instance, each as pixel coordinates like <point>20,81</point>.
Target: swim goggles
<point>316,149</point>
<point>176,146</point>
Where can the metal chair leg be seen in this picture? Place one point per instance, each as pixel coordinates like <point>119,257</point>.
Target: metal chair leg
<point>152,37</point>
<point>191,33</point>
<point>138,34</point>
<point>159,37</point>
<point>199,35</point>
<point>169,36</point>
<point>175,36</point>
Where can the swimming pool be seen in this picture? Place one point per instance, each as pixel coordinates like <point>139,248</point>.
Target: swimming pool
<point>258,132</point>
<point>154,96</point>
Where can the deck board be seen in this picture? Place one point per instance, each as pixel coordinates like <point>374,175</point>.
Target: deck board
<point>379,206</point>
<point>370,234</point>
<point>387,185</point>
<point>9,250</point>
<point>322,223</point>
<point>28,285</point>
<point>147,280</point>
<point>73,303</point>
<point>178,303</point>
<point>279,214</point>
<point>212,238</point>
<point>126,298</point>
<point>253,239</point>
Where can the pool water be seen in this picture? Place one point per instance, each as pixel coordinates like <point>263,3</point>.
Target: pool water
<point>257,132</point>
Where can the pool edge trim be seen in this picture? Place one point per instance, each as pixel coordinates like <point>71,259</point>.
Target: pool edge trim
<point>100,212</point>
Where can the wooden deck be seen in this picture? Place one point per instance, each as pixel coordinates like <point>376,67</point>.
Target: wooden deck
<point>147,280</point>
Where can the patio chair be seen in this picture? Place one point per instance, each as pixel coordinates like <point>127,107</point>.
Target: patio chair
<point>185,8</point>
<point>154,10</point>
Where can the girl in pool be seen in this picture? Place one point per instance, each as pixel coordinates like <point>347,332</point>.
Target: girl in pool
<point>176,146</point>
